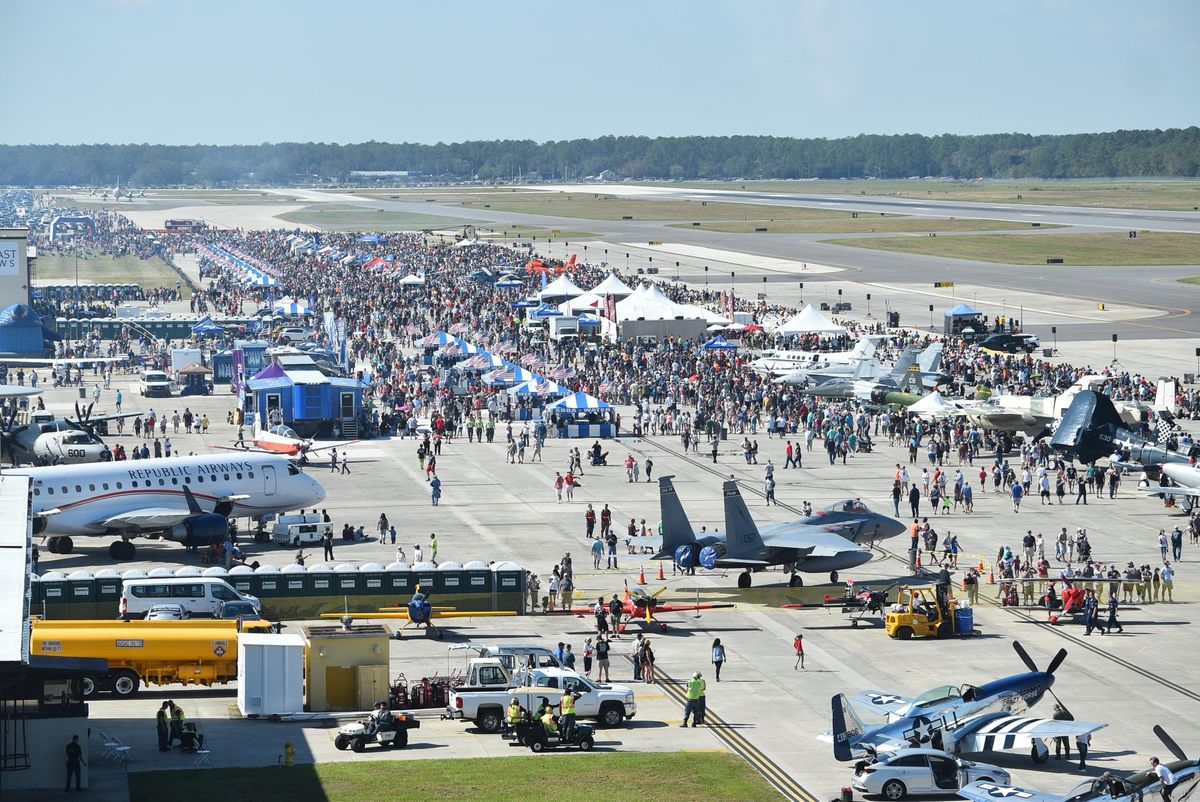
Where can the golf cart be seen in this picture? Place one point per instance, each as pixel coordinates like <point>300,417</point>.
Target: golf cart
<point>534,735</point>
<point>381,727</point>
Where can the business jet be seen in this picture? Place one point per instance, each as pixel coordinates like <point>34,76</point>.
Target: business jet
<point>185,499</point>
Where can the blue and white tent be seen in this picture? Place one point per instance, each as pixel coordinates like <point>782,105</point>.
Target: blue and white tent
<point>539,386</point>
<point>580,401</point>
<point>510,282</point>
<point>509,374</point>
<point>438,339</point>
<point>545,310</point>
<point>719,343</point>
<point>589,320</point>
<point>206,326</point>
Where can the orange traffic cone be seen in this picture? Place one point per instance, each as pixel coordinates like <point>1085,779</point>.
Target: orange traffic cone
<point>991,577</point>
<point>641,575</point>
<point>981,566</point>
<point>918,559</point>
<point>661,577</point>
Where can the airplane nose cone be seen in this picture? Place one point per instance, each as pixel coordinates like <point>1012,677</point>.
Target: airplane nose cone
<point>318,491</point>
<point>1183,475</point>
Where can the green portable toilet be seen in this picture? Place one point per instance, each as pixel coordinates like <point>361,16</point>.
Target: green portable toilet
<point>374,585</point>
<point>241,577</point>
<point>81,588</point>
<point>108,592</point>
<point>399,583</point>
<point>508,580</point>
<point>56,601</point>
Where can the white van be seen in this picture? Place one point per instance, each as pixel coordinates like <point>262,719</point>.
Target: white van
<point>198,595</point>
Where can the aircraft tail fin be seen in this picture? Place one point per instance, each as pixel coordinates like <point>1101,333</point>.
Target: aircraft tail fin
<point>1086,429</point>
<point>740,529</point>
<point>1164,398</point>
<point>847,728</point>
<point>931,358</point>
<point>676,528</point>
<point>193,505</point>
<point>863,349</point>
<point>906,361</point>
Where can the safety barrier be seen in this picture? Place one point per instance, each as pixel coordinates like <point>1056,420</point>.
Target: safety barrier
<point>296,592</point>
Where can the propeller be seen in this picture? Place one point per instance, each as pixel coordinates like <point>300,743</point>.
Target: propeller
<point>83,419</point>
<point>1169,742</point>
<point>1050,669</point>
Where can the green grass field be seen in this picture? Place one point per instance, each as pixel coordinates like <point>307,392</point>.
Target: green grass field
<point>107,270</point>
<point>614,777</point>
<point>344,217</point>
<point>1190,280</point>
<point>1164,195</point>
<point>1109,248</point>
<point>863,224</point>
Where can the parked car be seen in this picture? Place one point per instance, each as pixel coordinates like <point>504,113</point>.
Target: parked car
<point>1011,343</point>
<point>294,334</point>
<point>230,610</point>
<point>156,384</point>
<point>906,772</point>
<point>166,612</point>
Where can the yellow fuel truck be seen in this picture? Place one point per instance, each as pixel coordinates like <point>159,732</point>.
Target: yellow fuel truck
<point>190,652</point>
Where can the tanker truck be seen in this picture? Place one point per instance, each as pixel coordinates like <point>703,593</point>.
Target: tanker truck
<point>189,652</point>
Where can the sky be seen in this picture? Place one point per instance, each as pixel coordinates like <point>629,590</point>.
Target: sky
<point>252,71</point>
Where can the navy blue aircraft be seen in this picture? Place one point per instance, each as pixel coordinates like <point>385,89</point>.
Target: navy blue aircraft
<point>957,719</point>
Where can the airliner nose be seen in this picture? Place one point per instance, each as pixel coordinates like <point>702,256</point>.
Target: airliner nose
<point>318,491</point>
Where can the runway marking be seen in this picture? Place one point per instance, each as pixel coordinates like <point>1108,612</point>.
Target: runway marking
<point>737,743</point>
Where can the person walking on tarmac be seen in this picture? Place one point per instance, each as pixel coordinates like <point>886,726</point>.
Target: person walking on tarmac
<point>695,701</point>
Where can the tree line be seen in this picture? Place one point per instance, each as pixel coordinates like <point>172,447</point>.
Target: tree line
<point>1161,153</point>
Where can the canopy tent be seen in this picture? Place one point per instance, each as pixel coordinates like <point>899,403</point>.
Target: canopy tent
<point>437,339</point>
<point>539,386</point>
<point>545,310</point>
<point>589,320</point>
<point>206,326</point>
<point>470,349</point>
<point>612,286</point>
<point>413,280</point>
<point>508,374</point>
<point>589,301</point>
<point>934,406</point>
<point>509,282</point>
<point>649,303</point>
<point>560,290</point>
<point>482,360</point>
<point>291,309</point>
<point>580,401</point>
<point>963,310</point>
<point>809,321</point>
<point>719,343</point>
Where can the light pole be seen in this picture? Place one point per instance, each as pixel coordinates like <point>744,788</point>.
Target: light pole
<point>868,304</point>
<point>931,317</point>
<point>706,275</point>
<point>802,293</point>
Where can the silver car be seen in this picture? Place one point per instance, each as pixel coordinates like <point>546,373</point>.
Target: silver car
<point>905,772</point>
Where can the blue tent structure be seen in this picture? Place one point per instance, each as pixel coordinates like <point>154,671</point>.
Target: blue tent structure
<point>581,402</point>
<point>545,310</point>
<point>719,343</point>
<point>206,327</point>
<point>589,321</point>
<point>371,239</point>
<point>510,283</point>
<point>963,310</point>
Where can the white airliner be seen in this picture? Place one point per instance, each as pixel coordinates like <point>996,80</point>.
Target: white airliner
<point>187,499</point>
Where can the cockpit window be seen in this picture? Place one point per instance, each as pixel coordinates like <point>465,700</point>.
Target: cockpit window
<point>293,470</point>
<point>941,693</point>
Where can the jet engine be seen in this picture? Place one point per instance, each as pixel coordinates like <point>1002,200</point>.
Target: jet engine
<point>200,530</point>
<point>710,554</point>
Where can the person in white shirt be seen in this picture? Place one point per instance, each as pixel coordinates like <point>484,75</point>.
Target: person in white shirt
<point>1168,581</point>
<point>1165,777</point>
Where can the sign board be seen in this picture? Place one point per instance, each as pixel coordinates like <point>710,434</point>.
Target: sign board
<point>943,284</point>
<point>10,253</point>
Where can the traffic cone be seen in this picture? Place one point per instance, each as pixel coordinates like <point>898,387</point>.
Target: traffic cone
<point>991,577</point>
<point>918,559</point>
<point>661,578</point>
<point>981,565</point>
<point>641,575</point>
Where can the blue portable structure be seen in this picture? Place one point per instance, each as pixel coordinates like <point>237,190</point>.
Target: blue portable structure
<point>22,332</point>
<point>299,395</point>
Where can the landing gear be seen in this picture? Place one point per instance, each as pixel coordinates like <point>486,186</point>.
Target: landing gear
<point>60,544</point>
<point>795,581</point>
<point>833,576</point>
<point>122,551</point>
<point>744,580</point>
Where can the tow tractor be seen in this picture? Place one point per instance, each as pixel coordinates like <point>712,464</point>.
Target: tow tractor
<point>389,730</point>
<point>926,612</point>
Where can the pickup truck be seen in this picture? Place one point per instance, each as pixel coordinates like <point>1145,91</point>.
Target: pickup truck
<point>295,530</point>
<point>489,689</point>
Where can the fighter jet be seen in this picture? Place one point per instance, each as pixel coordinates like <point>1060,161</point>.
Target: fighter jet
<point>827,541</point>
<point>872,370</point>
<point>967,719</point>
<point>1033,416</point>
<point>898,388</point>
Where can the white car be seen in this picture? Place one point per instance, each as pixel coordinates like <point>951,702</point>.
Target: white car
<point>906,772</point>
<point>166,612</point>
<point>295,334</point>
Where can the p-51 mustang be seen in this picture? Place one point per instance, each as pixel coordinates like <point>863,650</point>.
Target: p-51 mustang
<point>642,606</point>
<point>1107,788</point>
<point>968,719</point>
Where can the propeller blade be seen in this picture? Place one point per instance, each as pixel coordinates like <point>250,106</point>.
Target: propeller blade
<point>1024,655</point>
<point>1057,661</point>
<point>1169,742</point>
<point>660,591</point>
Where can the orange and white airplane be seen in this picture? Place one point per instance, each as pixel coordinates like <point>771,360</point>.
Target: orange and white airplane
<point>281,439</point>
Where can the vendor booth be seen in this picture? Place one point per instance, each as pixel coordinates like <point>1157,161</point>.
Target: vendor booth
<point>582,415</point>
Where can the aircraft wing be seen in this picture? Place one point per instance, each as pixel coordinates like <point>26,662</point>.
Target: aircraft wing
<point>880,702</point>
<point>679,608</point>
<point>817,541</point>
<point>737,562</point>
<point>990,792</point>
<point>471,613</point>
<point>17,390</point>
<point>331,445</point>
<point>145,518</point>
<point>988,733</point>
<point>1155,490</point>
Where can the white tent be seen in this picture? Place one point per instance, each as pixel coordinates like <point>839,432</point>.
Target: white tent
<point>809,321</point>
<point>934,406</point>
<point>649,303</point>
<point>588,302</point>
<point>561,288</point>
<point>613,286</point>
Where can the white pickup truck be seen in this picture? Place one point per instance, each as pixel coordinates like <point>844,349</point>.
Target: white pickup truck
<point>298,529</point>
<point>490,688</point>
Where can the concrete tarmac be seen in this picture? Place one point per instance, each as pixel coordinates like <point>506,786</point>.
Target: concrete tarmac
<point>496,511</point>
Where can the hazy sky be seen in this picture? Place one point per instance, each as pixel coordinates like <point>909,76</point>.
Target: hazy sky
<point>250,71</point>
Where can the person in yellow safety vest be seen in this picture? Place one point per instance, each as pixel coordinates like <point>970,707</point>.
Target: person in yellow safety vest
<point>566,707</point>
<point>695,701</point>
<point>514,712</point>
<point>549,725</point>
